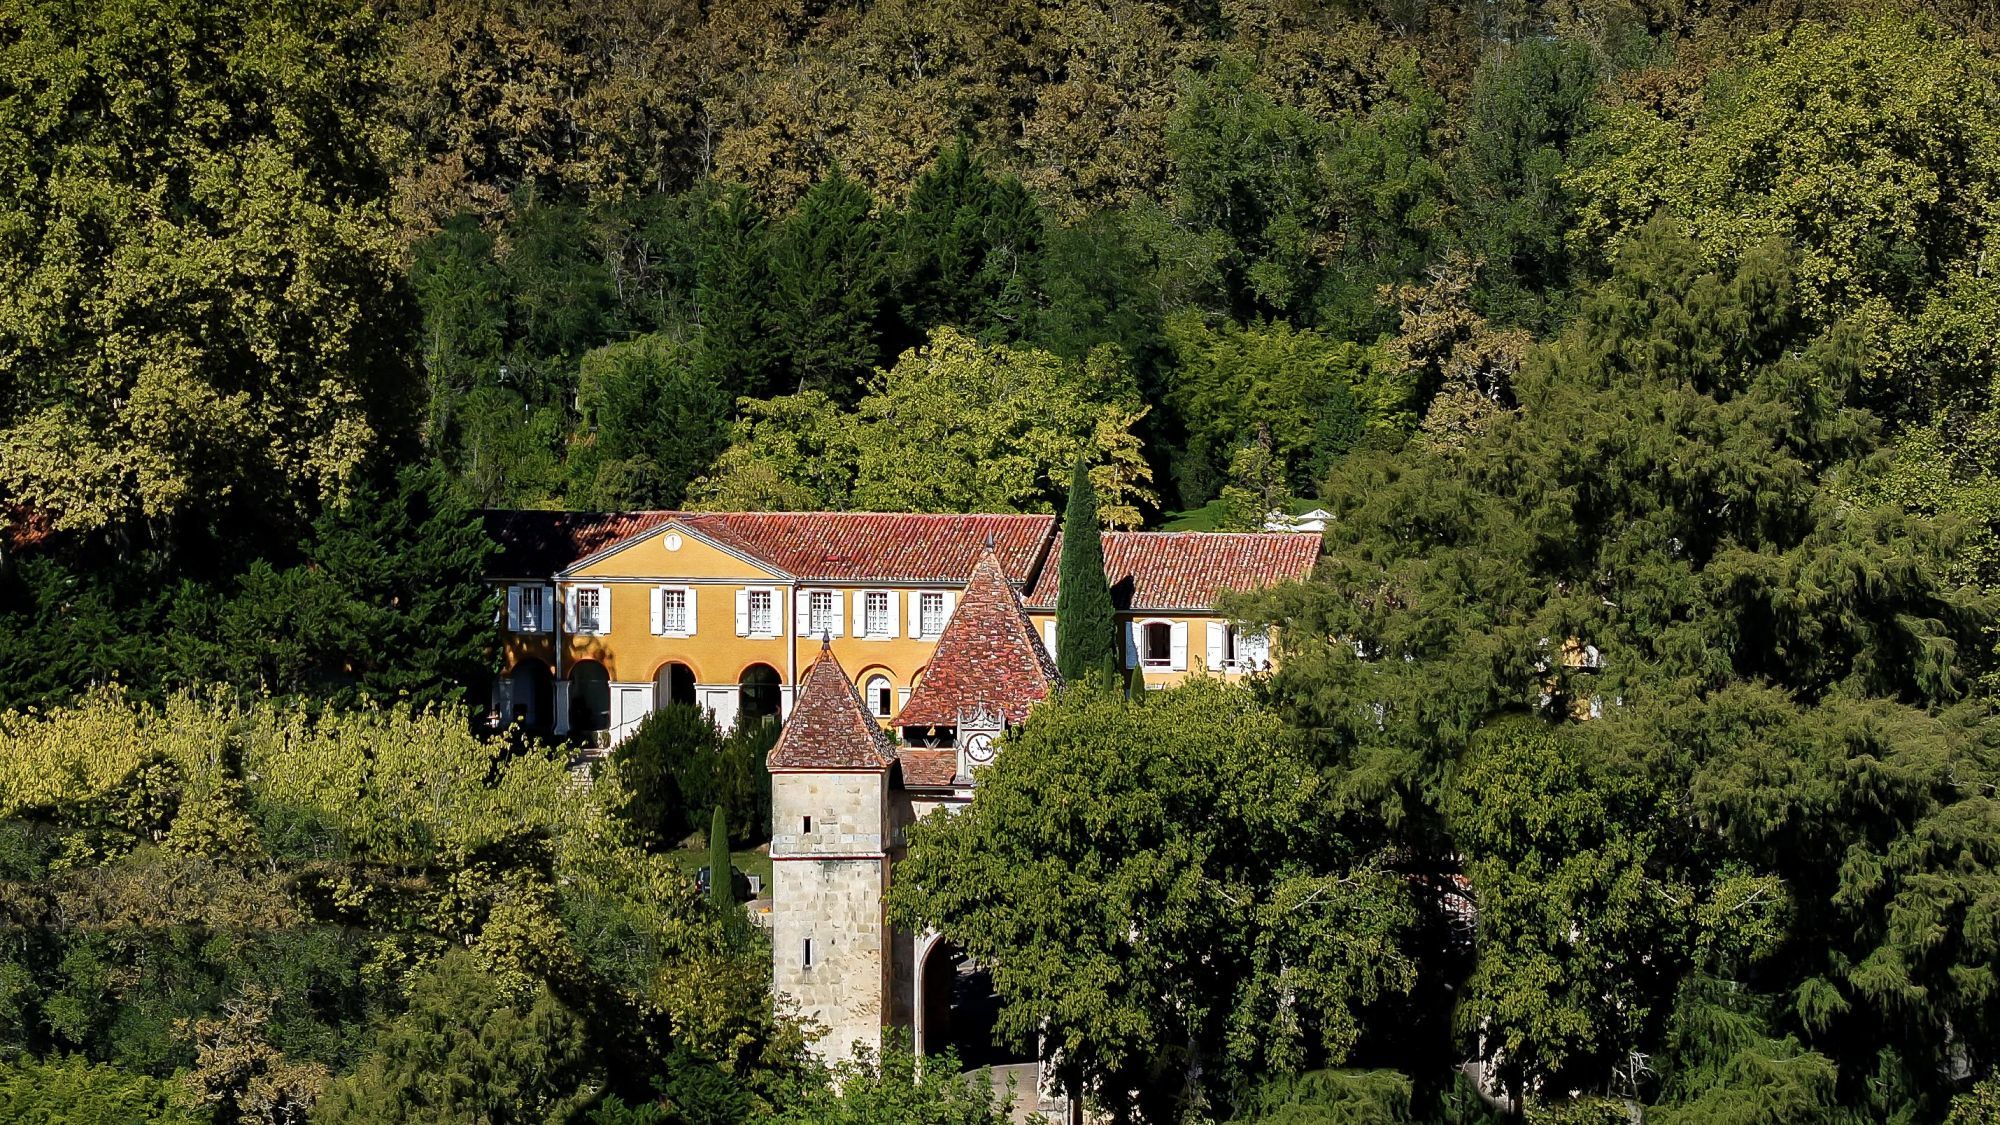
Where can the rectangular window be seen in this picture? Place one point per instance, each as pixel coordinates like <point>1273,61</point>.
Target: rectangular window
<point>819,613</point>
<point>674,611</point>
<point>589,610</point>
<point>808,822</point>
<point>809,953</point>
<point>531,610</point>
<point>1229,657</point>
<point>875,613</point>
<point>760,613</point>
<point>1159,648</point>
<point>930,613</point>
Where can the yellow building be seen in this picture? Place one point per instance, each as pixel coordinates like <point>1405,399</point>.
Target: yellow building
<point>609,616</point>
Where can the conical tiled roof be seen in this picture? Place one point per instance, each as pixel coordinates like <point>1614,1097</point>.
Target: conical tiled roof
<point>989,655</point>
<point>830,728</point>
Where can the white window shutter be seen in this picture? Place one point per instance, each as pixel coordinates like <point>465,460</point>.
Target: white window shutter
<point>1131,644</point>
<point>861,613</point>
<point>804,624</point>
<point>1255,649</point>
<point>688,593</point>
<point>513,609</point>
<point>1179,636</point>
<point>659,618</point>
<point>742,613</point>
<point>951,603</point>
<point>777,613</point>
<point>1049,637</point>
<point>902,699</point>
<point>839,612</point>
<point>895,614</point>
<point>547,611</point>
<point>604,611</point>
<point>569,608</point>
<point>1218,633</point>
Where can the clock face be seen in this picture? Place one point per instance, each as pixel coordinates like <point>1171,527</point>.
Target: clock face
<point>979,747</point>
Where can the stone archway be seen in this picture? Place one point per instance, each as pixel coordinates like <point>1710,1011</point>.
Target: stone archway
<point>956,1009</point>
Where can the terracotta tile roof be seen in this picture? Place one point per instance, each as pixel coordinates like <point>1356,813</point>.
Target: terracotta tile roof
<point>879,546</point>
<point>988,654</point>
<point>829,728</point>
<point>811,546</point>
<point>928,769</point>
<point>1159,570</point>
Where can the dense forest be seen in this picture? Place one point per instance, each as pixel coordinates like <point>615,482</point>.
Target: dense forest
<point>1632,754</point>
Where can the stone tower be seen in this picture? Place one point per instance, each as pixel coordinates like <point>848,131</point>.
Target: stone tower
<point>830,853</point>
<point>841,793</point>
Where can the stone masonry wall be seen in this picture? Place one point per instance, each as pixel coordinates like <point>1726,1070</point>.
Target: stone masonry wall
<point>827,888</point>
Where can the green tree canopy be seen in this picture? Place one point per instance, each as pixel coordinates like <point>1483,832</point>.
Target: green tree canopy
<point>1160,896</point>
<point>1872,148</point>
<point>1653,539</point>
<point>954,426</point>
<point>204,310</point>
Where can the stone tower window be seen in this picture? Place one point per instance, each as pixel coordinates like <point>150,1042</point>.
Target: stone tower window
<point>808,962</point>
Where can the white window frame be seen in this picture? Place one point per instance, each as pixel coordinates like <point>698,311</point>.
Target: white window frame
<point>831,624</point>
<point>872,692</point>
<point>518,618</point>
<point>920,628</point>
<point>770,623</point>
<point>743,628</point>
<point>662,627</point>
<point>573,610</point>
<point>890,625</point>
<point>1176,659</point>
<point>1225,647</point>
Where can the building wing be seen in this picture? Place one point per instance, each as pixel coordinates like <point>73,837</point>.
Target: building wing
<point>1163,571</point>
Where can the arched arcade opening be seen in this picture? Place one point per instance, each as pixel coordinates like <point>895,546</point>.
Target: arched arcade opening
<point>957,1010</point>
<point>758,693</point>
<point>589,698</point>
<point>530,697</point>
<point>672,684</point>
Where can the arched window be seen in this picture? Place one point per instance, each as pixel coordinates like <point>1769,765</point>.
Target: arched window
<point>589,697</point>
<point>673,683</point>
<point>880,695</point>
<point>758,692</point>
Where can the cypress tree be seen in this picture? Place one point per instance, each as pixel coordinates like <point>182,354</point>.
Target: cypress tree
<point>721,890</point>
<point>1086,626</point>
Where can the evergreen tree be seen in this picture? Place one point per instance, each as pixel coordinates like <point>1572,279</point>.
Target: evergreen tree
<point>1086,622</point>
<point>408,565</point>
<point>721,888</point>
<point>829,270</point>
<point>739,330</point>
<point>663,769</point>
<point>964,249</point>
<point>653,417</point>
